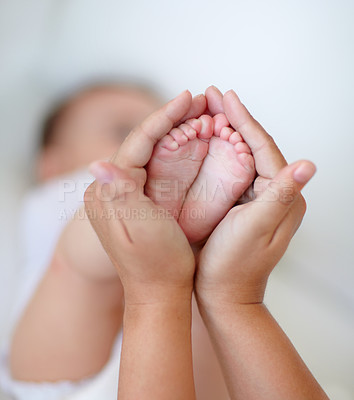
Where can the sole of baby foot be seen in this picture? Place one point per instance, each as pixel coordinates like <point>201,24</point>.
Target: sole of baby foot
<point>227,171</point>
<point>175,163</point>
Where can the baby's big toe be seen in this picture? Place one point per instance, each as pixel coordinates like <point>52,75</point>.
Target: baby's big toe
<point>207,127</point>
<point>204,126</point>
<point>220,122</point>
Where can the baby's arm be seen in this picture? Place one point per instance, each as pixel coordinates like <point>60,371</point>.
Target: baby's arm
<point>79,300</point>
<point>81,249</point>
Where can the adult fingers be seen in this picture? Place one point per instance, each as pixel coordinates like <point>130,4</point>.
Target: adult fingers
<point>214,100</point>
<point>270,208</point>
<point>114,203</point>
<point>136,150</point>
<point>197,108</point>
<point>98,206</point>
<point>268,158</point>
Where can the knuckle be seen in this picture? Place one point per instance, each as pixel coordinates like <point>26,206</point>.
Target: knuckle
<point>287,192</point>
<point>269,139</point>
<point>282,191</point>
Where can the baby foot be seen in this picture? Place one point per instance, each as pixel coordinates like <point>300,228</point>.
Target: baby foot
<point>227,171</point>
<point>176,161</point>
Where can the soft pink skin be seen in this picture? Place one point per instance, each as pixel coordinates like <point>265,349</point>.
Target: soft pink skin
<point>176,162</point>
<point>198,171</point>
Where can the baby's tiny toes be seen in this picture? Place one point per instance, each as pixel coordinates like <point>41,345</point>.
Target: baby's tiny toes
<point>226,132</point>
<point>242,147</point>
<point>207,128</point>
<point>179,136</point>
<point>169,143</point>
<point>190,132</point>
<point>235,138</point>
<point>247,161</point>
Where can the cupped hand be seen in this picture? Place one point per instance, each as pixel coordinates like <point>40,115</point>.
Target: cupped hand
<point>235,262</point>
<point>148,248</point>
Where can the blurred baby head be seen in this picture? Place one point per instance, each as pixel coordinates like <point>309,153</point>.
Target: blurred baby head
<point>91,125</point>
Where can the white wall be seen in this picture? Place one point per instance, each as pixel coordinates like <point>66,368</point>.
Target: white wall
<point>292,64</point>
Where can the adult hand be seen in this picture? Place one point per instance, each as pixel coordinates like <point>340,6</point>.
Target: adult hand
<point>239,255</point>
<point>147,247</point>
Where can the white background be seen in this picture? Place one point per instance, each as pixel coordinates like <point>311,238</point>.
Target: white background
<point>292,64</point>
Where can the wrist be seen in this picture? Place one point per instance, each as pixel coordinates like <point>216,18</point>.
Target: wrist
<point>144,294</point>
<point>221,314</point>
<point>229,294</point>
<point>172,310</point>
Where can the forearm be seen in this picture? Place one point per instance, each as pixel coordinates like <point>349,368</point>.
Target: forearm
<point>68,328</point>
<point>257,358</point>
<point>156,361</point>
<point>81,249</point>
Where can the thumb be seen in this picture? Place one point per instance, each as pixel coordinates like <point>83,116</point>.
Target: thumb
<point>275,201</point>
<point>113,183</point>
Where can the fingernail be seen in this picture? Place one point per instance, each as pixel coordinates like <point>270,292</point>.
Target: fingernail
<point>100,172</point>
<point>304,173</point>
